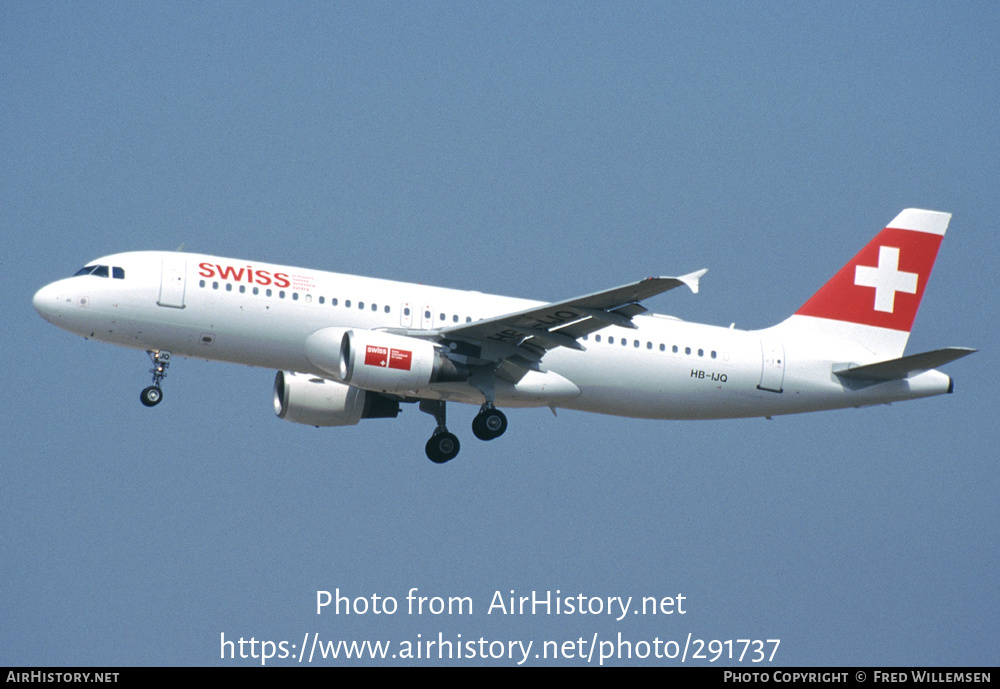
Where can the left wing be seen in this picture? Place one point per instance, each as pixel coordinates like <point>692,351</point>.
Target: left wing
<point>523,337</point>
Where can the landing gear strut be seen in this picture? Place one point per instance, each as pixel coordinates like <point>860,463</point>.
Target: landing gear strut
<point>489,423</point>
<point>152,395</point>
<point>443,446</point>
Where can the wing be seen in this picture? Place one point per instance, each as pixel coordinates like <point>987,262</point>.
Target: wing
<point>522,338</point>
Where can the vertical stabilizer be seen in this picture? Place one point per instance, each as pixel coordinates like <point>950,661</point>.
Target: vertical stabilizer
<point>873,299</point>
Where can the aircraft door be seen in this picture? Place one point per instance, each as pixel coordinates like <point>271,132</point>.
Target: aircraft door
<point>426,317</point>
<point>172,281</point>
<point>772,372</point>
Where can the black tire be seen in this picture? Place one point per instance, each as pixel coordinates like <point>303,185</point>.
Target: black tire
<point>151,396</point>
<point>479,428</point>
<point>489,424</point>
<point>442,447</point>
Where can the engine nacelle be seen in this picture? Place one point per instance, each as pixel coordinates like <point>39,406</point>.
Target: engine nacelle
<point>375,360</point>
<point>305,399</point>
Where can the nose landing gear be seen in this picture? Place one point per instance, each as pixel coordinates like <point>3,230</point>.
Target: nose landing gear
<point>152,395</point>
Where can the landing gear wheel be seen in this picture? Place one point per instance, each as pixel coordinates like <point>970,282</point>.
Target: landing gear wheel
<point>151,396</point>
<point>442,447</point>
<point>489,424</point>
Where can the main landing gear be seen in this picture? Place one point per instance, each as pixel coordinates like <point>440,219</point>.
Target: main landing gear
<point>489,423</point>
<point>152,395</point>
<point>443,446</point>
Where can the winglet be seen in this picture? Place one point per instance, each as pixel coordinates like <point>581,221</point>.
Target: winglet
<point>691,279</point>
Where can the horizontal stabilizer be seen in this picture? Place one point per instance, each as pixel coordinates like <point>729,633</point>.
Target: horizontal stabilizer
<point>904,367</point>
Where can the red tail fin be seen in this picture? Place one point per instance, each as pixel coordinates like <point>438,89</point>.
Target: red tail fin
<point>882,286</point>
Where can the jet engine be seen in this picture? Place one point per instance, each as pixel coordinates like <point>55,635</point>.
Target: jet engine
<point>305,399</point>
<point>376,360</point>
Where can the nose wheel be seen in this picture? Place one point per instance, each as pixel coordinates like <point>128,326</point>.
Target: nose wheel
<point>153,395</point>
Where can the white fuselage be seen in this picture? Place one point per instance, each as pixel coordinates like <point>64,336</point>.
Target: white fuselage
<point>261,315</point>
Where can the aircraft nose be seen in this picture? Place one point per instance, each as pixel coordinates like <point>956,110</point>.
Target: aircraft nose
<point>46,302</point>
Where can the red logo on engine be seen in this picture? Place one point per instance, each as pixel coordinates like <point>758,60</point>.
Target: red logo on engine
<point>376,356</point>
<point>388,358</point>
<point>400,358</point>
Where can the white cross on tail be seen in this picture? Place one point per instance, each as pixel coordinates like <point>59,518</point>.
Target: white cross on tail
<point>887,279</point>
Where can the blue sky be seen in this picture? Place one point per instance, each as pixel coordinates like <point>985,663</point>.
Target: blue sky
<point>536,150</point>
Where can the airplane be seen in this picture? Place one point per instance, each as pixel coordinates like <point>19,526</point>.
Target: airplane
<point>348,348</point>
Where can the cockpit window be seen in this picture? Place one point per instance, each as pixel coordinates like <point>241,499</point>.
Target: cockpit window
<point>102,272</point>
